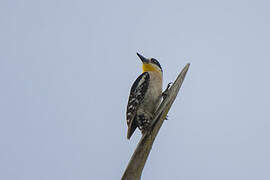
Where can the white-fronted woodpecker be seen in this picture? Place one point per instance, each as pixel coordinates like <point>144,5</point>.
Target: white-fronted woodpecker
<point>145,96</point>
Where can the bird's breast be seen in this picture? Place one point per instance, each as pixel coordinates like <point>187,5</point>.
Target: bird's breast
<point>153,93</point>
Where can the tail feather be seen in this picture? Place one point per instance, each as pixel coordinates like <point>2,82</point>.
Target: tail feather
<point>131,129</point>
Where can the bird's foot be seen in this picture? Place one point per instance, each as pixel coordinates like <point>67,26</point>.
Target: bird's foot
<point>165,93</point>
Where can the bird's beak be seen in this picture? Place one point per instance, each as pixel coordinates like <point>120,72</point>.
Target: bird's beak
<point>143,59</point>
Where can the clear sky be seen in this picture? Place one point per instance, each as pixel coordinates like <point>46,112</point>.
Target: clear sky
<point>66,68</point>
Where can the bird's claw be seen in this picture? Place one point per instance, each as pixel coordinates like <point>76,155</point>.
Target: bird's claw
<point>165,93</point>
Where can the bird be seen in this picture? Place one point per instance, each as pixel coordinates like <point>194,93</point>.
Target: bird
<point>145,96</point>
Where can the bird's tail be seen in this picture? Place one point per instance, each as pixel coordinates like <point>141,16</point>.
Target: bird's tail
<point>131,129</point>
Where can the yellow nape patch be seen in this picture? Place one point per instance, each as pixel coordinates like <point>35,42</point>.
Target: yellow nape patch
<point>149,67</point>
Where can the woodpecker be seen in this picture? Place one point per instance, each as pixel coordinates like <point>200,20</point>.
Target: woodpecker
<point>145,96</point>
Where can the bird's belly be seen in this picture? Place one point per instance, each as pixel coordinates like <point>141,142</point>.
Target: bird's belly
<point>151,100</point>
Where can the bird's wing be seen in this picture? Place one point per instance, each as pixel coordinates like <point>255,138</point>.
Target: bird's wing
<point>136,96</point>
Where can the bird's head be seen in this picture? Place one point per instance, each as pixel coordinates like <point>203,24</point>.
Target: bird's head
<point>150,64</point>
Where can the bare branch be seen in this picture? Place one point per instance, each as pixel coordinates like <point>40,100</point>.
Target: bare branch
<point>140,155</point>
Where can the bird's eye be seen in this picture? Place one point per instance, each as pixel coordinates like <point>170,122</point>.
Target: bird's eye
<point>154,61</point>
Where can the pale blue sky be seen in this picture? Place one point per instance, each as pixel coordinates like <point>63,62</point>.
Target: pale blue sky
<point>66,68</point>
